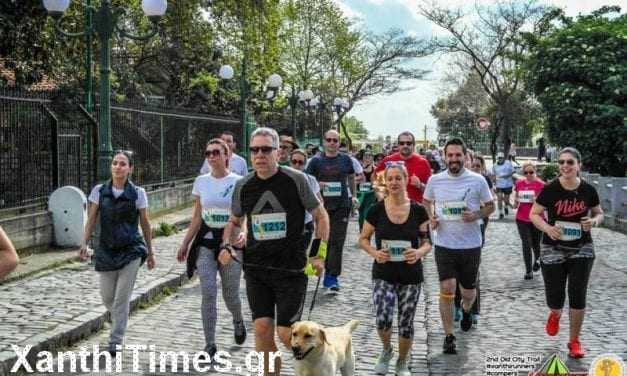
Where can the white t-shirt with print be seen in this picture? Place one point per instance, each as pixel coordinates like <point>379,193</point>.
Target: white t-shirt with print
<point>469,187</point>
<point>215,193</point>
<point>140,203</point>
<point>237,165</point>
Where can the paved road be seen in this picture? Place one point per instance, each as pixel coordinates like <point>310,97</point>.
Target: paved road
<point>512,319</point>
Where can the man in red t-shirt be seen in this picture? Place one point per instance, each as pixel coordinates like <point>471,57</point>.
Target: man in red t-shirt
<point>417,167</point>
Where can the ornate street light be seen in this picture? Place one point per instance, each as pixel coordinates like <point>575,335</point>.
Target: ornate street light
<point>106,22</point>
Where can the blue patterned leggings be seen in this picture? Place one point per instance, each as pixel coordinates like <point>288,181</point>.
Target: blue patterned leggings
<point>385,295</point>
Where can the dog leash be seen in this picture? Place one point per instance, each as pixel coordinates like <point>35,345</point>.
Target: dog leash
<point>285,270</point>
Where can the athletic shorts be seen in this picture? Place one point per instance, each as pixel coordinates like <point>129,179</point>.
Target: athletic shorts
<point>461,264</point>
<point>285,295</point>
<point>507,191</point>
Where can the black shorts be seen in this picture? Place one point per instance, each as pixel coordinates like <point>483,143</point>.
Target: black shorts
<point>507,191</point>
<point>461,264</point>
<point>286,295</point>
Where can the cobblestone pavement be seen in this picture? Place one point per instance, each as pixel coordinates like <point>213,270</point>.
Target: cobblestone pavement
<point>512,318</point>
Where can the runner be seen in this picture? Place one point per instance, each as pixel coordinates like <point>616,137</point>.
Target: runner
<point>368,166</point>
<point>401,229</point>
<point>527,190</point>
<point>336,175</point>
<point>120,206</point>
<point>457,194</point>
<point>212,201</point>
<point>8,255</point>
<point>298,161</point>
<point>237,164</point>
<point>503,171</point>
<point>418,168</point>
<point>273,201</point>
<point>287,145</point>
<point>567,252</point>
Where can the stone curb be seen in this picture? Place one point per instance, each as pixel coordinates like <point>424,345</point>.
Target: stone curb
<point>83,326</point>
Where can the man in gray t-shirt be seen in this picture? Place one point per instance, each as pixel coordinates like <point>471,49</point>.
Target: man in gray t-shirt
<point>456,200</point>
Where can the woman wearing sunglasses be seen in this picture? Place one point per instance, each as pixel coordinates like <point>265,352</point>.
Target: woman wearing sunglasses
<point>120,206</point>
<point>401,233</point>
<point>567,253</point>
<point>526,191</point>
<point>213,195</point>
<point>298,161</point>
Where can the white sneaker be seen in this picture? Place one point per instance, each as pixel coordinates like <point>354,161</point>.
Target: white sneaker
<point>383,363</point>
<point>402,368</point>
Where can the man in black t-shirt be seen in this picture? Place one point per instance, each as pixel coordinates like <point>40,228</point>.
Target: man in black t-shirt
<point>334,171</point>
<point>272,201</point>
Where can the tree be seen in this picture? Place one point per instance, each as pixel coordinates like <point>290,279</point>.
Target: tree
<point>488,45</point>
<point>577,70</point>
<point>355,128</point>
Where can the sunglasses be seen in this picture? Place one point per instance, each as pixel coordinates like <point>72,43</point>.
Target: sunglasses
<point>570,162</point>
<point>213,153</point>
<point>332,140</point>
<point>405,143</point>
<point>297,162</point>
<point>262,149</point>
<point>394,163</point>
<point>529,172</point>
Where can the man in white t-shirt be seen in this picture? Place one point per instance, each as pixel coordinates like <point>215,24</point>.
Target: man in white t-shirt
<point>503,171</point>
<point>456,200</point>
<point>237,164</point>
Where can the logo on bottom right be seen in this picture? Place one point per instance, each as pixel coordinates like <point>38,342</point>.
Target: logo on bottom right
<point>607,365</point>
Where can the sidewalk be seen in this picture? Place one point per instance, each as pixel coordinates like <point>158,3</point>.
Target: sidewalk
<point>51,307</point>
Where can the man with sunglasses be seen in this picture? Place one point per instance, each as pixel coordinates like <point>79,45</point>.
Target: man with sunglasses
<point>336,176</point>
<point>503,171</point>
<point>271,202</point>
<point>237,164</point>
<point>418,168</point>
<point>286,146</point>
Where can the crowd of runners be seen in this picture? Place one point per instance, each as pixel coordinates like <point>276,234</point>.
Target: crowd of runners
<point>285,219</point>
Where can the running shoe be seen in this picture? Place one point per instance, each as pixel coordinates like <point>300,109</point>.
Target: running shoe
<point>383,362</point>
<point>210,350</point>
<point>458,313</point>
<point>328,281</point>
<point>553,324</point>
<point>449,345</point>
<point>501,216</point>
<point>575,350</point>
<point>529,275</point>
<point>475,320</point>
<point>536,266</point>
<point>466,322</point>
<point>113,350</point>
<point>402,368</point>
<point>506,210</point>
<point>239,332</point>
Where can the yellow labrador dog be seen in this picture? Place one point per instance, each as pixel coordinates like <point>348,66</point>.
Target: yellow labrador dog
<point>323,351</point>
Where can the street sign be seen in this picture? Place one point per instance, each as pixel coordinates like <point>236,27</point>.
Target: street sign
<point>483,123</point>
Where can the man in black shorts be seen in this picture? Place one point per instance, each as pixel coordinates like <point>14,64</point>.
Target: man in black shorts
<point>272,201</point>
<point>456,200</point>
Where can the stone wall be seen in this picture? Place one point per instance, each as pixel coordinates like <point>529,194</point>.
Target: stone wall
<point>613,197</point>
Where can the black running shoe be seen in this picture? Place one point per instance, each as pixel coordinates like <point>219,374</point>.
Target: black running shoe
<point>466,321</point>
<point>211,350</point>
<point>449,345</point>
<point>528,275</point>
<point>536,266</point>
<point>506,211</point>
<point>239,332</point>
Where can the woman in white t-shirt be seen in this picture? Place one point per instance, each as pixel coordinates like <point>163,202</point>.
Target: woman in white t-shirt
<point>212,208</point>
<point>120,206</point>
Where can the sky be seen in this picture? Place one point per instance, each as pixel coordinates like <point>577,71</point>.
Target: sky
<point>409,110</point>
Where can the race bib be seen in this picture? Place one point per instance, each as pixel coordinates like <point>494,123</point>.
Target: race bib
<point>216,218</point>
<point>269,226</point>
<point>396,248</point>
<point>450,210</point>
<point>570,230</point>
<point>526,197</point>
<point>332,189</point>
<point>365,187</point>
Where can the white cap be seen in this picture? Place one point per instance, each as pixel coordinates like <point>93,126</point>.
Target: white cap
<point>500,154</point>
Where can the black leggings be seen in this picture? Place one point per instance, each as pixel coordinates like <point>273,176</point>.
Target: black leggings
<point>530,237</point>
<point>577,272</point>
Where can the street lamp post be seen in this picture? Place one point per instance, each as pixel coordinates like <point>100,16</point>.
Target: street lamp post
<point>341,106</point>
<point>106,19</point>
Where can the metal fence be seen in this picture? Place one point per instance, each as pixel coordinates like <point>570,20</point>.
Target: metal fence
<point>48,140</point>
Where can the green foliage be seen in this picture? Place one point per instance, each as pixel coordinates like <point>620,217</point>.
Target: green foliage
<point>165,229</point>
<point>355,128</point>
<point>548,172</point>
<point>578,71</point>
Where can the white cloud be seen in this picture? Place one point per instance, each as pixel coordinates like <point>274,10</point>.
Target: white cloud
<point>348,11</point>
